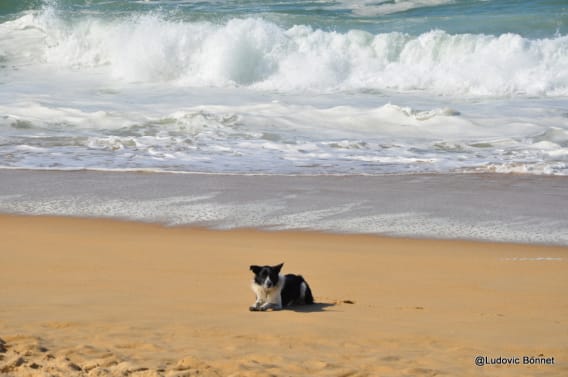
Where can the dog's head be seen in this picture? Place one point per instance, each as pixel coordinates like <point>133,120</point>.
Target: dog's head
<point>266,276</point>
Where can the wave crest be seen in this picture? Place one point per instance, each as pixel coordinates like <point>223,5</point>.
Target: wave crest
<point>256,53</point>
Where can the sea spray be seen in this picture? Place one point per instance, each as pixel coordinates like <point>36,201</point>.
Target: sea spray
<point>256,53</point>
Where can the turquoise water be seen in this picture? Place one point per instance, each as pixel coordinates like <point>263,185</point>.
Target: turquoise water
<point>534,19</point>
<point>285,87</point>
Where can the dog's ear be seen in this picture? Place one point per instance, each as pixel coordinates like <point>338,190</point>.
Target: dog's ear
<point>278,267</point>
<point>255,269</point>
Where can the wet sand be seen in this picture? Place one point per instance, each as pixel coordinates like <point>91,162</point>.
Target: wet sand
<point>487,207</point>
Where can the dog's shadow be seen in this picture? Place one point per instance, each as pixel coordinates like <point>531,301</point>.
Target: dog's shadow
<point>316,307</point>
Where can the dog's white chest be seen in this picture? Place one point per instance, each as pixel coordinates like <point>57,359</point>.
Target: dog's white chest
<point>267,295</point>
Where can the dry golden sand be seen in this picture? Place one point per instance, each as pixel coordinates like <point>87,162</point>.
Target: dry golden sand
<point>83,297</point>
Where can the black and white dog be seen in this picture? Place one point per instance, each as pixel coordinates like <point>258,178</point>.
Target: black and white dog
<point>273,291</point>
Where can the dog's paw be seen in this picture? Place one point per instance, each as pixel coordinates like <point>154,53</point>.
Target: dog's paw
<point>257,307</point>
<point>270,307</point>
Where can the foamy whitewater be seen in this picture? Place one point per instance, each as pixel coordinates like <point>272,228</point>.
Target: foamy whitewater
<point>285,87</point>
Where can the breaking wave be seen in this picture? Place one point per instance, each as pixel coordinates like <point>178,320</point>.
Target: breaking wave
<point>255,53</point>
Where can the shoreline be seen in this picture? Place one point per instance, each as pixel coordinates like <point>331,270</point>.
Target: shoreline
<point>494,208</point>
<point>158,171</point>
<point>290,232</point>
<point>99,297</point>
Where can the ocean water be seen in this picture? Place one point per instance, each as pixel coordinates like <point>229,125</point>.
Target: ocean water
<point>339,87</point>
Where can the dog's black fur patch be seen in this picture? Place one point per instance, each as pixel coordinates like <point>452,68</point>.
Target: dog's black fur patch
<point>291,293</point>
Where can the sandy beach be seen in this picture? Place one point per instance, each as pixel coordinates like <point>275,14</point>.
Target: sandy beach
<point>86,297</point>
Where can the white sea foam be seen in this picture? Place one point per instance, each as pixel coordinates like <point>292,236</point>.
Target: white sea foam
<point>259,54</point>
<point>280,138</point>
